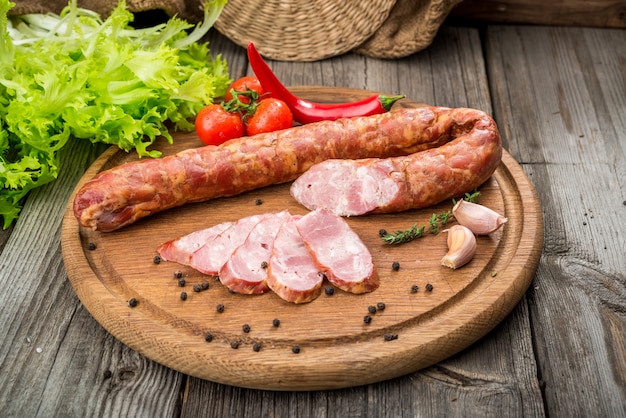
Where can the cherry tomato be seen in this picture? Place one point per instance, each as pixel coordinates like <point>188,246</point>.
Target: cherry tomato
<point>243,84</point>
<point>214,125</point>
<point>271,115</point>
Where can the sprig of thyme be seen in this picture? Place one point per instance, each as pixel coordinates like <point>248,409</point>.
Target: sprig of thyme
<point>435,223</point>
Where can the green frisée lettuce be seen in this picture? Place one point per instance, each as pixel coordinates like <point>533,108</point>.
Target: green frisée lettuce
<point>75,75</point>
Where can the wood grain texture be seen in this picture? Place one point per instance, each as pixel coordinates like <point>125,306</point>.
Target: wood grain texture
<point>590,13</point>
<point>337,348</point>
<point>571,140</point>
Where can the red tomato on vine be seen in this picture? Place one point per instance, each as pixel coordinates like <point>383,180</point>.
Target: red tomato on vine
<point>215,125</point>
<point>270,115</point>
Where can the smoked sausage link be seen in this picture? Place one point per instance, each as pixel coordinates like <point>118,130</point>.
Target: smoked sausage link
<point>124,194</point>
<point>422,179</point>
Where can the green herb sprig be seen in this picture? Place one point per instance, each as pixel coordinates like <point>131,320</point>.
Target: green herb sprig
<point>435,223</point>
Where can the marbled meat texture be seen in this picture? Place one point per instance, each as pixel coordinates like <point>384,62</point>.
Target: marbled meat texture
<point>292,274</point>
<point>338,251</point>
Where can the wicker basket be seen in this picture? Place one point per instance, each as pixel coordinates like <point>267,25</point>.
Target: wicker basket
<point>302,30</point>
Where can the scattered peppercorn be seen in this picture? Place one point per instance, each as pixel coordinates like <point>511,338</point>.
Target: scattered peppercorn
<point>156,259</point>
<point>208,337</point>
<point>395,266</point>
<point>258,202</point>
<point>414,288</point>
<point>371,309</point>
<point>367,319</point>
<point>256,347</point>
<point>234,344</point>
<point>92,246</point>
<point>429,287</point>
<point>295,349</point>
<point>390,337</point>
<point>329,290</point>
<point>381,306</point>
<point>276,323</point>
<point>183,295</point>
<point>382,232</point>
<point>246,328</point>
<point>132,302</point>
<point>107,374</point>
<point>197,287</point>
<point>264,264</point>
<point>220,308</point>
<point>181,282</point>
<point>204,285</point>
<point>178,274</point>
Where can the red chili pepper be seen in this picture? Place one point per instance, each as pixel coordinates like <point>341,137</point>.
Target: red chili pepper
<point>305,111</point>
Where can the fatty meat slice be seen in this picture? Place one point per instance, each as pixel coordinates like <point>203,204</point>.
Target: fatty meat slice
<point>346,187</point>
<point>181,249</point>
<point>210,258</point>
<point>292,274</point>
<point>338,251</point>
<point>246,268</point>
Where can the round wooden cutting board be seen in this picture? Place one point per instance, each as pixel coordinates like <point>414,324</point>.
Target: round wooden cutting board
<point>324,344</point>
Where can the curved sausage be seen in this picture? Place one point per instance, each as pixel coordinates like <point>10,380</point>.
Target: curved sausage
<point>358,187</point>
<point>123,194</point>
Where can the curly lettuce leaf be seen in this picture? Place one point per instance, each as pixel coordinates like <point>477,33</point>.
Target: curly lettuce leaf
<point>74,75</point>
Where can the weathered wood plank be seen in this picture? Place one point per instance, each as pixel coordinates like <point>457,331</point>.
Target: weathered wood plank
<point>595,13</point>
<point>499,368</point>
<point>560,98</point>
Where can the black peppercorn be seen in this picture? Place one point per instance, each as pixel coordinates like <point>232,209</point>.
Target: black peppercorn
<point>381,306</point>
<point>367,319</point>
<point>246,328</point>
<point>178,274</point>
<point>234,344</point>
<point>382,232</point>
<point>264,264</point>
<point>107,374</point>
<point>204,285</point>
<point>92,246</point>
<point>258,202</point>
<point>395,266</point>
<point>429,287</point>
<point>414,288</point>
<point>181,282</point>
<point>132,302</point>
<point>295,349</point>
<point>197,287</point>
<point>256,347</point>
<point>329,290</point>
<point>220,308</point>
<point>156,259</point>
<point>390,337</point>
<point>276,322</point>
<point>183,295</point>
<point>371,309</point>
<point>208,337</point>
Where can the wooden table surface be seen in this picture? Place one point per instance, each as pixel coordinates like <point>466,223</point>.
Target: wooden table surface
<point>559,97</point>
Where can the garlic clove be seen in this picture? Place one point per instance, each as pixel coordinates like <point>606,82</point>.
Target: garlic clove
<point>461,247</point>
<point>478,218</point>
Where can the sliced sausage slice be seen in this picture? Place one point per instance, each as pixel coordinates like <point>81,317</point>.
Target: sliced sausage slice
<point>292,274</point>
<point>210,258</point>
<point>181,249</point>
<point>246,268</point>
<point>338,251</point>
